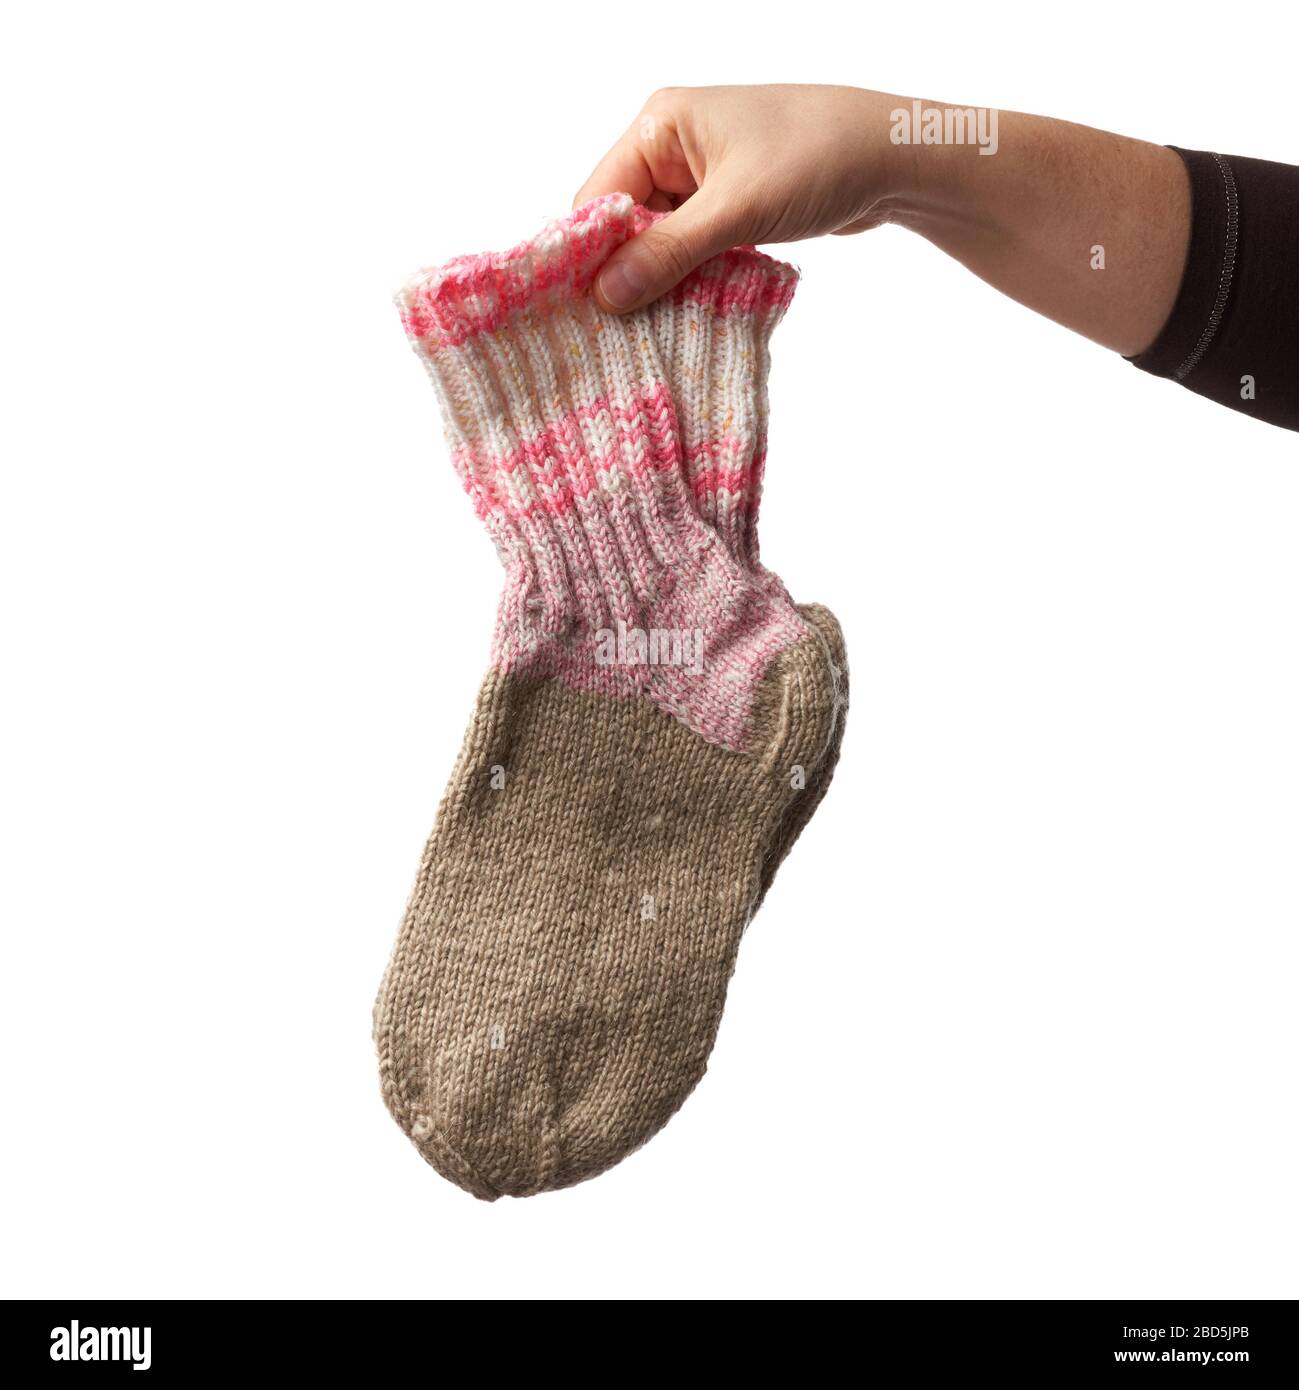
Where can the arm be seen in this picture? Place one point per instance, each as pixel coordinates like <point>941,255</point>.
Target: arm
<point>1126,242</point>
<point>1088,228</point>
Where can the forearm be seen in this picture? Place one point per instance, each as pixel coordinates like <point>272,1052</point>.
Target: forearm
<point>1084,226</point>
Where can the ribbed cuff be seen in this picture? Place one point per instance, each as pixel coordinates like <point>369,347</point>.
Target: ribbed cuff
<point>594,446</point>
<point>1208,277</point>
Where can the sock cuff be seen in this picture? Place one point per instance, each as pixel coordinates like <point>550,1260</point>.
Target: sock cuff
<point>562,428</point>
<point>593,445</point>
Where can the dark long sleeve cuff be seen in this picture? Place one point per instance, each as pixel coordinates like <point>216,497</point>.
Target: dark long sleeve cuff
<point>1233,334</point>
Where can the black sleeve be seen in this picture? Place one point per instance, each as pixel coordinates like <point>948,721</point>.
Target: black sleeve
<point>1233,334</point>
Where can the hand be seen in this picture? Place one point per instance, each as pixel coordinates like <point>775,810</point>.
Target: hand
<point>740,165</point>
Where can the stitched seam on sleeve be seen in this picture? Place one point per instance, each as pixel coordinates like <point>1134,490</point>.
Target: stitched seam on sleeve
<point>1224,279</point>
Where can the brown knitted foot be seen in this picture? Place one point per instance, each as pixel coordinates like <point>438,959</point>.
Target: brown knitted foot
<point>561,970</point>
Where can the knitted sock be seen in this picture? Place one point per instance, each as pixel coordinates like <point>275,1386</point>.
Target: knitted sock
<point>560,972</point>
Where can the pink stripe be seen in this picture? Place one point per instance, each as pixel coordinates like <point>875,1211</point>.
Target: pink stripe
<point>737,485</point>
<point>563,462</point>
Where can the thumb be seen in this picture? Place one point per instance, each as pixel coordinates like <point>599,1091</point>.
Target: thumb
<point>650,264</point>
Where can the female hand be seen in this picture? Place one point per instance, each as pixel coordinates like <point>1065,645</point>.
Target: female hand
<point>741,165</point>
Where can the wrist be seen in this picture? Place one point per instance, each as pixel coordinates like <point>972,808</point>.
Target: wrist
<point>936,156</point>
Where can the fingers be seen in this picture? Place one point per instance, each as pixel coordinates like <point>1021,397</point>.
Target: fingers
<point>659,161</point>
<point>623,170</point>
<point>651,264</point>
<point>650,160</point>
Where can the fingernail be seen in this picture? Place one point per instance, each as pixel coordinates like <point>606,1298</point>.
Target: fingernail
<point>621,284</point>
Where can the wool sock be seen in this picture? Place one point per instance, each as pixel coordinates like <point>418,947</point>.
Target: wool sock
<point>624,784</point>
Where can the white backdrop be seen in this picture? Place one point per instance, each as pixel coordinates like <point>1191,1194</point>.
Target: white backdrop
<point>1029,980</point>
